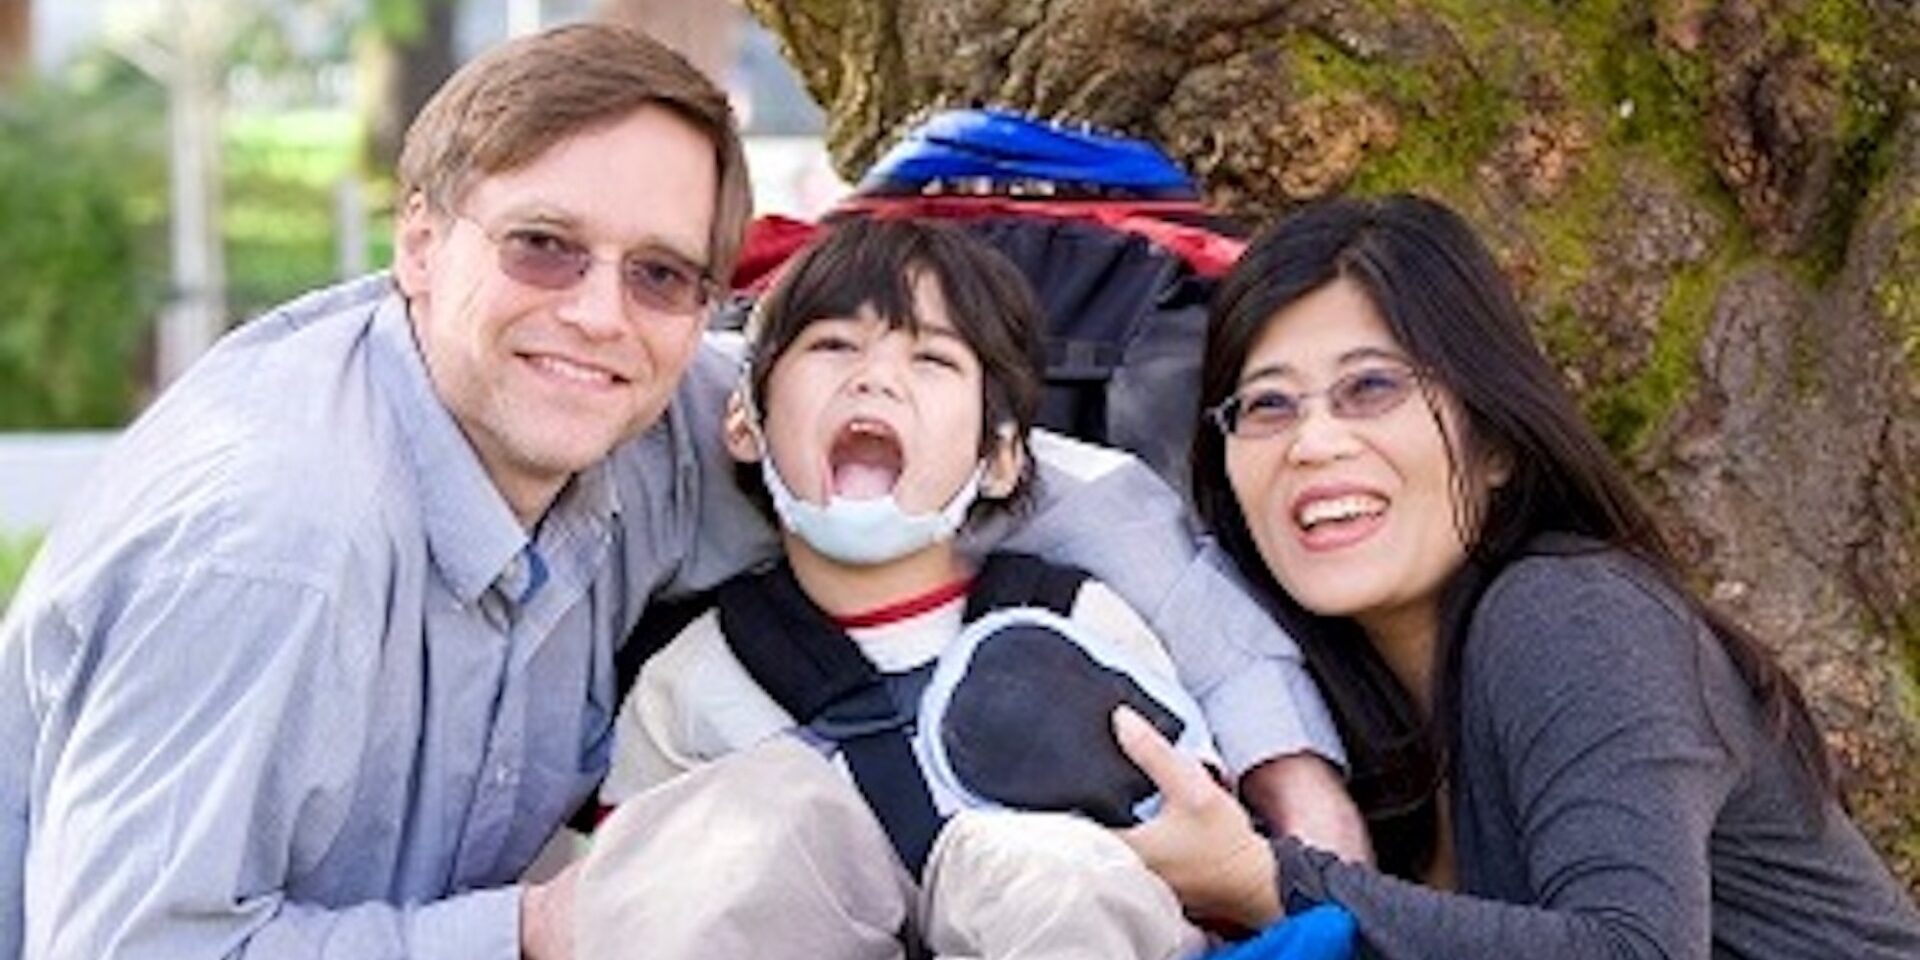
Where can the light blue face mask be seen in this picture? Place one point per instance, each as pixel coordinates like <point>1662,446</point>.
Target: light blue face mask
<point>870,531</point>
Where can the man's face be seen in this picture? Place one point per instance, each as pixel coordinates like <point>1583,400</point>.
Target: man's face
<point>544,381</point>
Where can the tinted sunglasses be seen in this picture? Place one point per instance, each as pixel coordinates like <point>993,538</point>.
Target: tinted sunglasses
<point>655,279</point>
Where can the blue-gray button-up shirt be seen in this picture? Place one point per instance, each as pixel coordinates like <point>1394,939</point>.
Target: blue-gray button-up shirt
<point>289,679</point>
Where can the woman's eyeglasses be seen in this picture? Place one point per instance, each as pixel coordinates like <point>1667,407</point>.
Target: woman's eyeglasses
<point>1360,395</point>
<point>655,280</point>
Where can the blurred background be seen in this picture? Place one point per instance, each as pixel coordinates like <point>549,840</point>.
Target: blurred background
<point>170,168</point>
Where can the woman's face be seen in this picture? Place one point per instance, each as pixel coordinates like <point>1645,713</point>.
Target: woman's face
<point>1351,500</point>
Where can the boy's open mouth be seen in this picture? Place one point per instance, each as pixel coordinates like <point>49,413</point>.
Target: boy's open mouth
<point>865,460</point>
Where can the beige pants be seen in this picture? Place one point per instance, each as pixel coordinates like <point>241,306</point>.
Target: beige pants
<point>771,854</point>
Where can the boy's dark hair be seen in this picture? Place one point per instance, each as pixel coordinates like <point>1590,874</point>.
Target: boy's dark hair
<point>873,262</point>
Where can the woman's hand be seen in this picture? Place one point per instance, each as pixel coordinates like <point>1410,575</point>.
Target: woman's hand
<point>1202,843</point>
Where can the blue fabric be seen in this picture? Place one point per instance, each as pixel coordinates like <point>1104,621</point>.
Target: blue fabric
<point>1325,932</point>
<point>1003,145</point>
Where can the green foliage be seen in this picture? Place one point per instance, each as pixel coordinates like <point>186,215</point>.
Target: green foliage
<point>79,246</point>
<point>400,21</point>
<point>278,222</point>
<point>15,553</point>
<point>291,37</point>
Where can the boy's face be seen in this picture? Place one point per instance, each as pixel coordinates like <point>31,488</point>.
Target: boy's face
<point>857,409</point>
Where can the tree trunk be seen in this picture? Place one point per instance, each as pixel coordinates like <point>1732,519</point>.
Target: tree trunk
<point>16,41</point>
<point>401,63</point>
<point>1711,206</point>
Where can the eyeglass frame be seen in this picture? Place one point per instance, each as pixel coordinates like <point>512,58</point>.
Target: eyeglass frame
<point>1226,417</point>
<point>707,289</point>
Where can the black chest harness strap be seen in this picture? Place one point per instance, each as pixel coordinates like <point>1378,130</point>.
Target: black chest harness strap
<point>819,676</point>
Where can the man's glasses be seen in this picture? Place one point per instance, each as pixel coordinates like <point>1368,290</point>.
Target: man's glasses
<point>654,279</point>
<point>1361,395</point>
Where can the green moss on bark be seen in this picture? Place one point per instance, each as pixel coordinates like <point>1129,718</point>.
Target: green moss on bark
<point>1444,127</point>
<point>1840,35</point>
<point>1654,99</point>
<point>1631,413</point>
<point>1838,32</point>
<point>1563,334</point>
<point>1897,295</point>
<point>1569,230</point>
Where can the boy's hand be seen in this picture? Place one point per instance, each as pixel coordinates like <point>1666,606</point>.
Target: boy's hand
<point>546,917</point>
<point>1202,843</point>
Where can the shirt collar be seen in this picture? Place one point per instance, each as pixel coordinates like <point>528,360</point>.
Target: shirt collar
<point>472,534</point>
<point>573,531</point>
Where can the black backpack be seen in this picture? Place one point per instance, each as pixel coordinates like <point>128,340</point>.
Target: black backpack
<point>1126,325</point>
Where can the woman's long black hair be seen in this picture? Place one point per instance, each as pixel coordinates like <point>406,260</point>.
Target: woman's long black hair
<point>1452,311</point>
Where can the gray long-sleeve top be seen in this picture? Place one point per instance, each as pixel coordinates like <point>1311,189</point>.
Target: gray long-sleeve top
<point>1617,794</point>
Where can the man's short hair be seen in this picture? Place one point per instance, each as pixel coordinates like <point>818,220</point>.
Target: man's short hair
<point>506,107</point>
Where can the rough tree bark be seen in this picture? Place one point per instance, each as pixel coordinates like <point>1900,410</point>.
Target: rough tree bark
<point>1711,206</point>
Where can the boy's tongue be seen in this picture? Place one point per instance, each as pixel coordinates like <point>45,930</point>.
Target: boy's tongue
<point>865,466</point>
<point>862,481</point>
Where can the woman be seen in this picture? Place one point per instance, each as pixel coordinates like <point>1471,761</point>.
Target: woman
<point>1571,754</point>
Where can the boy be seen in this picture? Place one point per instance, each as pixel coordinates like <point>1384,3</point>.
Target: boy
<point>894,376</point>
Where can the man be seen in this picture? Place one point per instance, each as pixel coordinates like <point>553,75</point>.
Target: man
<point>323,657</point>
